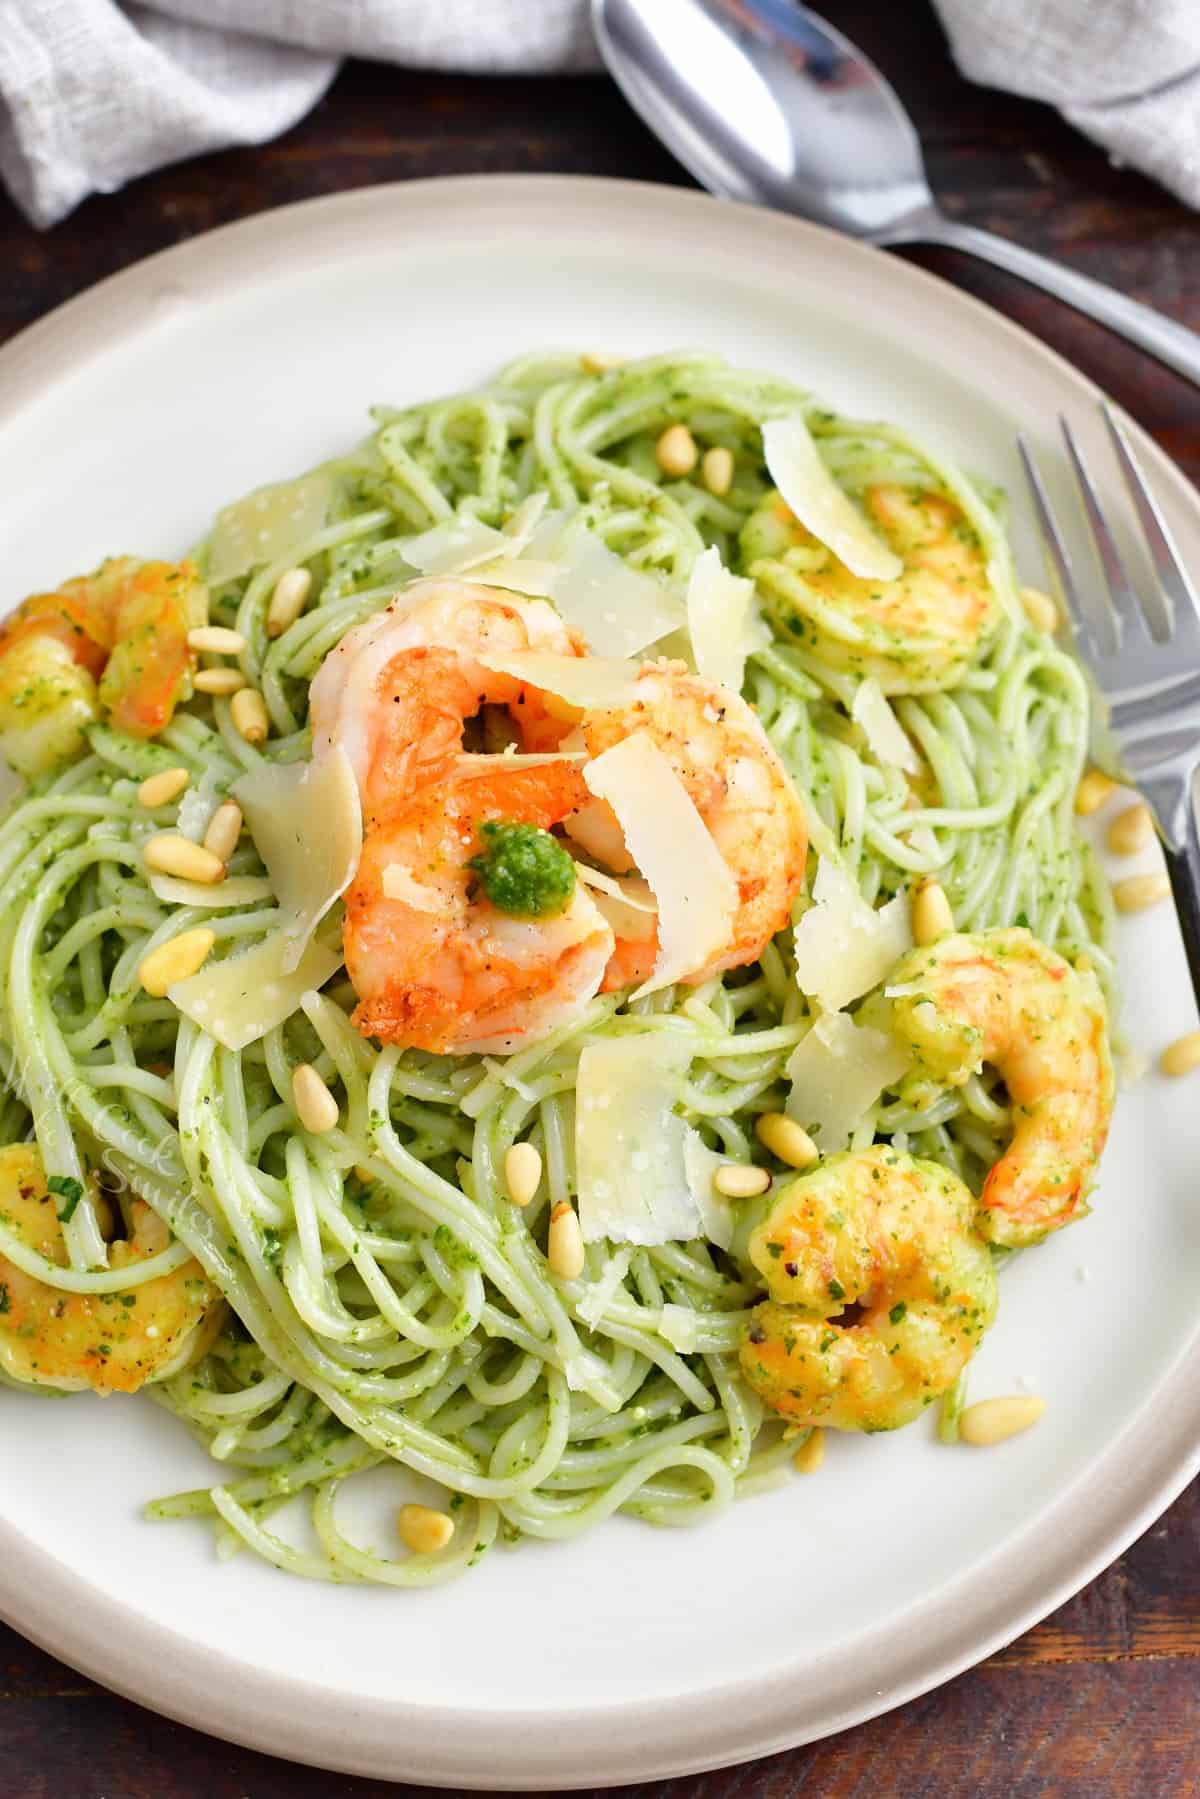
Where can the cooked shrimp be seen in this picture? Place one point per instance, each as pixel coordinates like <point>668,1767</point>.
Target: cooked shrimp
<point>458,939</point>
<point>914,634</point>
<point>124,627</point>
<point>396,692</point>
<point>741,790</point>
<point>110,1342</point>
<point>1004,998</point>
<point>891,1237</point>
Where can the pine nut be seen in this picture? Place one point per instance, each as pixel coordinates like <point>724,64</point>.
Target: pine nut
<point>1181,1056</point>
<point>522,1172</point>
<point>423,1530</point>
<point>218,681</point>
<point>741,1180</point>
<point>1137,892</point>
<point>564,1250</point>
<point>1092,791</point>
<point>931,914</point>
<point>1040,610</point>
<point>598,362</point>
<point>786,1139</point>
<point>676,451</point>
<point>1130,830</point>
<point>218,640</point>
<point>288,600</point>
<point>317,1109</point>
<point>992,1420</point>
<point>161,789</point>
<point>224,829</point>
<point>171,854</point>
<point>174,961</point>
<point>716,470</point>
<point>1084,964</point>
<point>811,1454</point>
<point>250,718</point>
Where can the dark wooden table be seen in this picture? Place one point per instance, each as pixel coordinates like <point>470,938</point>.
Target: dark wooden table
<point>1101,1699</point>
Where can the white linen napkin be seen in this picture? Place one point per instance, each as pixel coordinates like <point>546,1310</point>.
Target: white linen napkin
<point>94,92</point>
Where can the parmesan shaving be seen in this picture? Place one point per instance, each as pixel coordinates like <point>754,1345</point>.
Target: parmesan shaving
<point>306,822</point>
<point>796,468</point>
<point>720,620</point>
<point>456,545</point>
<point>627,907</point>
<point>598,683</point>
<point>843,947</point>
<point>618,609</point>
<point>269,525</point>
<point>697,895</point>
<point>239,1000</point>
<point>236,890</point>
<point>837,1073</point>
<point>886,738</point>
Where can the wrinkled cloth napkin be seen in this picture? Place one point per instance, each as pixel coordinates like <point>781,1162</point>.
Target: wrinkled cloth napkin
<point>95,92</point>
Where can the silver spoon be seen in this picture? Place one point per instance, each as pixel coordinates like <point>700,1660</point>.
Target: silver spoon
<point>764,101</point>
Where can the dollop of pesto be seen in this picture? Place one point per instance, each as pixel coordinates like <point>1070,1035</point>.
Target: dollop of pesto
<point>523,869</point>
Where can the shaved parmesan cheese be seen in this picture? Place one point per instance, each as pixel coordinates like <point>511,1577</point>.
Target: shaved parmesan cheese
<point>455,545</point>
<point>844,947</point>
<point>520,527</point>
<point>267,526</point>
<point>796,468</point>
<point>720,620</point>
<point>837,1073</point>
<point>618,609</point>
<point>886,738</point>
<point>600,683</point>
<point>644,1175</point>
<point>306,822</point>
<point>237,890</point>
<point>399,884</point>
<point>628,906</point>
<point>239,1000</point>
<point>671,845</point>
<point>602,1292</point>
<point>519,575</point>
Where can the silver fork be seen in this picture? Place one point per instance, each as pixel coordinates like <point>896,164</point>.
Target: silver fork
<point>1144,653</point>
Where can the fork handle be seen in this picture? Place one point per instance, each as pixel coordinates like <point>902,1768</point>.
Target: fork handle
<point>1173,805</point>
<point>1172,343</point>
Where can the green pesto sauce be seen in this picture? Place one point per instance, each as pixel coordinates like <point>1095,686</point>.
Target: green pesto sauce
<point>523,869</point>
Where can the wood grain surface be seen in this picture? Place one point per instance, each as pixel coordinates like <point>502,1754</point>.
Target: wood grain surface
<point>1100,1701</point>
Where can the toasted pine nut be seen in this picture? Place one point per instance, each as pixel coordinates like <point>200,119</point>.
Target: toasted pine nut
<point>740,1180</point>
<point>1136,892</point>
<point>676,451</point>
<point>423,1530</point>
<point>522,1172</point>
<point>1130,830</point>
<point>219,681</point>
<point>250,717</point>
<point>288,600</point>
<point>786,1139</point>
<point>1040,609</point>
<point>811,1454</point>
<point>1092,791</point>
<point>315,1104</point>
<point>1181,1056</point>
<point>992,1420</point>
<point>598,362</point>
<point>174,961</point>
<point>364,1174</point>
<point>161,789</point>
<point>171,854</point>
<point>931,914</point>
<point>716,470</point>
<point>217,639</point>
<point>564,1250</point>
<point>1084,964</point>
<point>224,829</point>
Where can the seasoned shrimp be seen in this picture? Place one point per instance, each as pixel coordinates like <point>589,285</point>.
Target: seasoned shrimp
<point>465,927</point>
<point>112,642</point>
<point>110,1342</point>
<point>891,1237</point>
<point>914,634</point>
<point>741,790</point>
<point>396,692</point>
<point>1002,997</point>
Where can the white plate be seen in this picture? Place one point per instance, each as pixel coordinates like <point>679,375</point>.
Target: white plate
<point>125,419</point>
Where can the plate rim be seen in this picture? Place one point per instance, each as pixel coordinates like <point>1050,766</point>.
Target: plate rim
<point>1137,1476</point>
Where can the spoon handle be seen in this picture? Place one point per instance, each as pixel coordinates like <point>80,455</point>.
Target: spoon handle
<point>1172,343</point>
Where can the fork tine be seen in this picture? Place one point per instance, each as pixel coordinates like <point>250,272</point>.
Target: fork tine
<point>1127,609</point>
<point>1058,556</point>
<point>1181,612</point>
